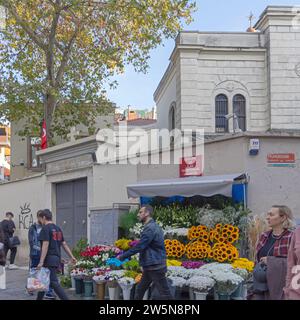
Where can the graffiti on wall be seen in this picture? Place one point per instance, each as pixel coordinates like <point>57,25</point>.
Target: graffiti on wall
<point>25,217</point>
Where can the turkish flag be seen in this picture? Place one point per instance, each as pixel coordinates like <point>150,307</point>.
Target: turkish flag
<point>44,136</point>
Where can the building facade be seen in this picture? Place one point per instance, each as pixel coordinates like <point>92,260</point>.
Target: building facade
<point>255,75</point>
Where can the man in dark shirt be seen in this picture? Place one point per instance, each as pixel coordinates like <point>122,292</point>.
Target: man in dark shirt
<point>8,227</point>
<point>52,240</point>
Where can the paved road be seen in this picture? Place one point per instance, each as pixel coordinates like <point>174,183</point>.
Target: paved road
<point>15,286</point>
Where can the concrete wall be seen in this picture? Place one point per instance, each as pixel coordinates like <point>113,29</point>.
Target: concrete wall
<point>205,74</point>
<point>109,184</point>
<point>165,100</point>
<point>268,185</point>
<point>283,44</point>
<point>274,185</point>
<point>23,198</point>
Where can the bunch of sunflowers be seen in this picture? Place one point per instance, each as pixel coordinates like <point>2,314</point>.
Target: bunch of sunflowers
<point>199,233</point>
<point>226,233</point>
<point>174,248</point>
<point>243,263</point>
<point>198,250</point>
<point>222,252</point>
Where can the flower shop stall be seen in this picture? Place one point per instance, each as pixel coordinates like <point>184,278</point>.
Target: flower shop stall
<point>203,245</point>
<point>228,185</point>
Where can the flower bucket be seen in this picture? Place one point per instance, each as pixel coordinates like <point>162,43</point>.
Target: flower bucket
<point>200,295</point>
<point>114,293</point>
<point>79,288</point>
<point>238,293</point>
<point>223,296</point>
<point>126,290</point>
<point>73,283</point>
<point>88,288</point>
<point>100,290</point>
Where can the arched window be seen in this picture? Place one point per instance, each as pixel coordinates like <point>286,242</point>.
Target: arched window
<point>239,108</point>
<point>221,112</point>
<point>172,117</point>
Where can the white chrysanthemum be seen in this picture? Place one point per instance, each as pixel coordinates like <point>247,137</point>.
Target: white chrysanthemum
<point>202,284</point>
<point>178,281</point>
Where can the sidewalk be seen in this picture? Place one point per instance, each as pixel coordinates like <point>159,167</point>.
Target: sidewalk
<point>15,286</point>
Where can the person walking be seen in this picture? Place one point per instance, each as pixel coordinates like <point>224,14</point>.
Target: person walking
<point>52,239</point>
<point>9,228</point>
<point>2,261</point>
<point>269,274</point>
<point>35,249</point>
<point>292,287</point>
<point>2,252</point>
<point>152,256</point>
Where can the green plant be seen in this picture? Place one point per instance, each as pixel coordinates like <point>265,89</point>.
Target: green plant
<point>175,215</point>
<point>65,281</point>
<point>127,221</point>
<point>81,245</point>
<point>132,265</point>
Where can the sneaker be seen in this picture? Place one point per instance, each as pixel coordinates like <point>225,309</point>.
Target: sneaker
<point>13,267</point>
<point>49,296</point>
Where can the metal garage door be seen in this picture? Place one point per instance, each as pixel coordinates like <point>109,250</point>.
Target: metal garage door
<point>71,209</point>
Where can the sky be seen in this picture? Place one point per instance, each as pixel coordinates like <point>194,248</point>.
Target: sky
<point>136,89</point>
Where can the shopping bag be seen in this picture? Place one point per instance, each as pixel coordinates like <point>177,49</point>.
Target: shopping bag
<point>38,279</point>
<point>2,278</point>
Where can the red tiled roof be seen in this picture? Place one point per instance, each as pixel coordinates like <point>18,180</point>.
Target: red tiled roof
<point>140,122</point>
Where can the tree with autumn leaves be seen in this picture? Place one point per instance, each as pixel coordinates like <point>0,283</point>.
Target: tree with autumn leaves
<point>57,55</point>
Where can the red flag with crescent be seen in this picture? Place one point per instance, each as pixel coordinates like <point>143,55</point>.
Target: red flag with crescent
<point>44,136</point>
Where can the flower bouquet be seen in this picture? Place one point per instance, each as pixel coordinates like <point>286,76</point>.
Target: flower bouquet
<point>100,254</point>
<point>77,273</point>
<point>112,278</point>
<point>226,283</point>
<point>126,284</point>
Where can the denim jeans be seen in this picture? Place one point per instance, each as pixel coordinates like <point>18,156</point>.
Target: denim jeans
<point>54,284</point>
<point>13,252</point>
<point>158,277</point>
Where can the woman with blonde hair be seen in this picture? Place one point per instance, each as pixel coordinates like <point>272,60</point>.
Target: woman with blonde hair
<point>270,271</point>
<point>292,288</point>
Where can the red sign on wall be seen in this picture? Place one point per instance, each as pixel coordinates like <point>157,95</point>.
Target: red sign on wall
<point>281,158</point>
<point>191,166</point>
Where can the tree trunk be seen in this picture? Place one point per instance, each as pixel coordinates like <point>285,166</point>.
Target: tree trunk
<point>50,103</point>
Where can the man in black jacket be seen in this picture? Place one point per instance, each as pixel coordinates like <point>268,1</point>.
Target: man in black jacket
<point>8,227</point>
<point>152,256</point>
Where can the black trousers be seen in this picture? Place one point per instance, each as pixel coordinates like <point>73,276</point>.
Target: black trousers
<point>158,277</point>
<point>13,252</point>
<point>54,284</point>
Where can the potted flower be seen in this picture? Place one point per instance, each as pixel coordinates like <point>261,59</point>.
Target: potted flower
<point>88,284</point>
<point>126,284</point>
<point>226,283</point>
<point>77,275</point>
<point>201,286</point>
<point>177,283</point>
<point>100,280</point>
<point>112,278</point>
<point>239,293</point>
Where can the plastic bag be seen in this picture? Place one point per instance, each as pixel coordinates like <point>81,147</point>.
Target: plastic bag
<point>38,280</point>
